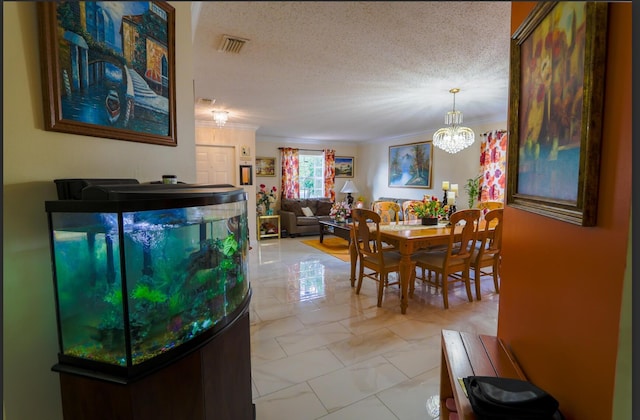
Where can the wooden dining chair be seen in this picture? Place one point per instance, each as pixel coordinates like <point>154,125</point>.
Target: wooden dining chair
<point>487,251</point>
<point>388,211</point>
<point>490,205</point>
<point>375,259</point>
<point>407,214</point>
<point>455,258</point>
<point>487,206</point>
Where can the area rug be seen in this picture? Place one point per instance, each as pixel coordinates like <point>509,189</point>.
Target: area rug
<point>337,247</point>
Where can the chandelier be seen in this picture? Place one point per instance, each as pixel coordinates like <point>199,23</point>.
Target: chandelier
<point>220,117</point>
<point>454,137</point>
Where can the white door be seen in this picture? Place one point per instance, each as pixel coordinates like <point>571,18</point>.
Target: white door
<point>215,165</point>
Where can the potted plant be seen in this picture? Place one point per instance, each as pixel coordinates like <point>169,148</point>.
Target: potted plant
<point>472,188</point>
<point>430,209</point>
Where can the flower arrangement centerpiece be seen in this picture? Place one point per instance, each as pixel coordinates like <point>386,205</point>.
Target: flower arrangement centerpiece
<point>430,209</point>
<point>265,198</point>
<point>340,211</point>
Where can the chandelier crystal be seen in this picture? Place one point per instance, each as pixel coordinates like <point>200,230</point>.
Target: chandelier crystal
<point>454,137</point>
<point>220,117</point>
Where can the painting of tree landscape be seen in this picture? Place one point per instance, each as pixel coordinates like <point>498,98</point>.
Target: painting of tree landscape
<point>410,165</point>
<point>109,69</point>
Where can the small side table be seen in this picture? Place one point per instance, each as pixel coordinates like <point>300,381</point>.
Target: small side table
<point>271,219</point>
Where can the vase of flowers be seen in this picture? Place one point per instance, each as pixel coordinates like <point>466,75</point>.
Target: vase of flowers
<point>265,198</point>
<point>429,210</point>
<point>340,211</point>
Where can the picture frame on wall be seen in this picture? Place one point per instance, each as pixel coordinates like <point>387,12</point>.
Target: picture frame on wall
<point>108,69</point>
<point>410,165</point>
<point>246,175</point>
<point>558,59</point>
<point>265,166</point>
<point>344,166</point>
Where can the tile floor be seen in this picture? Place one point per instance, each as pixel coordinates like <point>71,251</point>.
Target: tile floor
<point>319,351</point>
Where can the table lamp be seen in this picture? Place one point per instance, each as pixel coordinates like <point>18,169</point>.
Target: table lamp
<point>349,188</point>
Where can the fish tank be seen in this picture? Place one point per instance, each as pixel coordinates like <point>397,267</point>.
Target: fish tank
<point>145,273</point>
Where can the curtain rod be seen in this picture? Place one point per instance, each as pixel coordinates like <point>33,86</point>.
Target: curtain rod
<point>491,131</point>
<point>306,150</point>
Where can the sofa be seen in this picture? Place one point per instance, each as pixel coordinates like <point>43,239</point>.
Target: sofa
<point>294,221</point>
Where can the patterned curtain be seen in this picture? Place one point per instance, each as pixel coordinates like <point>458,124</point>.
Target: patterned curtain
<point>493,157</point>
<point>290,170</point>
<point>329,173</point>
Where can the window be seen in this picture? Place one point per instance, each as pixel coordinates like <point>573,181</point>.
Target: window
<point>311,174</point>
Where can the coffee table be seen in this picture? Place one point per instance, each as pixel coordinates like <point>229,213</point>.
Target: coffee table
<point>340,229</point>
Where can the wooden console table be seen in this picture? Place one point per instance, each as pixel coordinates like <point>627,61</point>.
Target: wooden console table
<point>467,354</point>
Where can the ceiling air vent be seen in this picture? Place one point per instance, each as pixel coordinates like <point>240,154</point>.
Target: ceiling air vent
<point>232,44</point>
<point>206,101</point>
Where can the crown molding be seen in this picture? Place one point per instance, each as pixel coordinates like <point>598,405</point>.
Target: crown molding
<point>235,126</point>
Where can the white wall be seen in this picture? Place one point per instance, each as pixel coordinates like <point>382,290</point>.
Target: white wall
<point>456,168</point>
<point>32,159</point>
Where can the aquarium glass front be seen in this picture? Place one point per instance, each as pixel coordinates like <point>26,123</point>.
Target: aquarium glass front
<point>147,281</point>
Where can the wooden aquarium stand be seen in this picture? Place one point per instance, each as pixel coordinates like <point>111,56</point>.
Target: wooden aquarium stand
<point>211,382</point>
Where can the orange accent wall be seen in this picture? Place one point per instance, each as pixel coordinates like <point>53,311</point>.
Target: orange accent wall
<point>562,284</point>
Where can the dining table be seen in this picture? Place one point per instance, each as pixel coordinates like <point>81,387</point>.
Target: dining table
<point>409,237</point>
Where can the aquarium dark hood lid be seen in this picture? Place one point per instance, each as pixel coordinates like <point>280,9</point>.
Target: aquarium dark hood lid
<point>71,188</point>
<point>154,191</point>
<point>130,189</point>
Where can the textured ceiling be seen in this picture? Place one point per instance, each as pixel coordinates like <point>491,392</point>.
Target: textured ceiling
<point>352,71</point>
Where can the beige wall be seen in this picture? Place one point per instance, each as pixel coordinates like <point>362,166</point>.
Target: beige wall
<point>33,158</point>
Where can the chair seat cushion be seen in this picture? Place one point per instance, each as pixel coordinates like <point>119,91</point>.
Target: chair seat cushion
<point>485,257</point>
<point>434,258</point>
<point>390,258</point>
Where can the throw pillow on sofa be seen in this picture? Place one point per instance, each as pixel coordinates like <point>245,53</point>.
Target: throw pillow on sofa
<point>324,207</point>
<point>307,211</point>
<point>292,206</point>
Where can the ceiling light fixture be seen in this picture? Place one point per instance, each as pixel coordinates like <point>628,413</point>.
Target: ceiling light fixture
<point>454,137</point>
<point>220,117</point>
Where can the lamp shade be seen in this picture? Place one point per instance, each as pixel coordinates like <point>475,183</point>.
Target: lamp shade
<point>349,187</point>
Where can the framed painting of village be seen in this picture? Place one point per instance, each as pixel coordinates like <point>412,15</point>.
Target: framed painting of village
<point>265,166</point>
<point>108,69</point>
<point>558,60</point>
<point>410,165</point>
